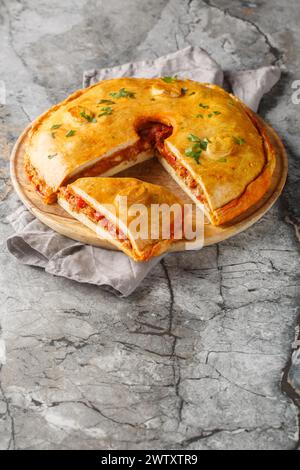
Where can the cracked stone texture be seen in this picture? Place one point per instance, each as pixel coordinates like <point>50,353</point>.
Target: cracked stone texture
<point>200,356</point>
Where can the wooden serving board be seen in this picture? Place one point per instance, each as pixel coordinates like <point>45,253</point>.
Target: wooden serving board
<point>151,171</point>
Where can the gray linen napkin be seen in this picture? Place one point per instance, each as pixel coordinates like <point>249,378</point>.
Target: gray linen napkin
<point>37,245</point>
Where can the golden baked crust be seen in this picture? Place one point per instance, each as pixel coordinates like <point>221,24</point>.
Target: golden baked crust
<point>215,137</point>
<point>255,190</point>
<point>98,198</point>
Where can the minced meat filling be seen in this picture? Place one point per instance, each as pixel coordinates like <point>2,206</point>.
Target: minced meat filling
<point>183,173</point>
<point>39,184</point>
<point>156,133</point>
<point>128,154</point>
<point>79,205</point>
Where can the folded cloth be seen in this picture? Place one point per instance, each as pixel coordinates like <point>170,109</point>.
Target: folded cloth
<point>35,244</point>
<point>251,85</point>
<point>192,62</point>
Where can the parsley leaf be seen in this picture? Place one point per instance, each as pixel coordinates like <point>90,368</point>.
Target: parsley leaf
<point>52,156</point>
<point>214,113</point>
<point>55,126</point>
<point>122,93</point>
<point>70,133</point>
<point>107,110</point>
<point>169,79</point>
<point>201,143</point>
<point>88,117</point>
<point>193,138</point>
<point>239,140</point>
<point>204,143</point>
<point>105,102</point>
<point>204,106</point>
<point>200,116</point>
<point>222,160</point>
<point>195,154</point>
<point>192,93</point>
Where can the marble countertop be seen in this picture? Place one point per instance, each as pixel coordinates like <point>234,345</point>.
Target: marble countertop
<point>204,355</point>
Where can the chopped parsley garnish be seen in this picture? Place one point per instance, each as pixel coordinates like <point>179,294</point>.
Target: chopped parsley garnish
<point>200,116</point>
<point>192,93</point>
<point>169,79</point>
<point>122,93</point>
<point>199,146</point>
<point>88,117</point>
<point>70,133</point>
<point>239,140</point>
<point>194,138</point>
<point>106,111</point>
<point>204,106</point>
<point>222,160</point>
<point>54,127</point>
<point>202,143</point>
<point>105,102</point>
<point>52,156</point>
<point>214,113</point>
<point>194,153</point>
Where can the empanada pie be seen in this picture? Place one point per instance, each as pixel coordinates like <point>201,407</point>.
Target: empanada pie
<point>209,141</point>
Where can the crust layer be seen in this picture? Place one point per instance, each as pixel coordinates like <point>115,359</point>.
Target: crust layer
<point>256,189</point>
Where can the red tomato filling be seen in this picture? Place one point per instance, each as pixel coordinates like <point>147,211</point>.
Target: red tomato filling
<point>79,205</point>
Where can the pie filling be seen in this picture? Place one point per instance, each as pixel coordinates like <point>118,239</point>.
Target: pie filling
<point>152,136</point>
<point>129,154</point>
<point>77,204</point>
<point>183,173</point>
<point>38,183</point>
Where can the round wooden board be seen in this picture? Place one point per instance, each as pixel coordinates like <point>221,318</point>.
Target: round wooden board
<point>60,221</point>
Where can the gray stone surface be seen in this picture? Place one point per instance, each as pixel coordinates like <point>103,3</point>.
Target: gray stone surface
<point>200,356</point>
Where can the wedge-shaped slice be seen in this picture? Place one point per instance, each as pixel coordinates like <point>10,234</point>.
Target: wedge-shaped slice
<point>139,218</point>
